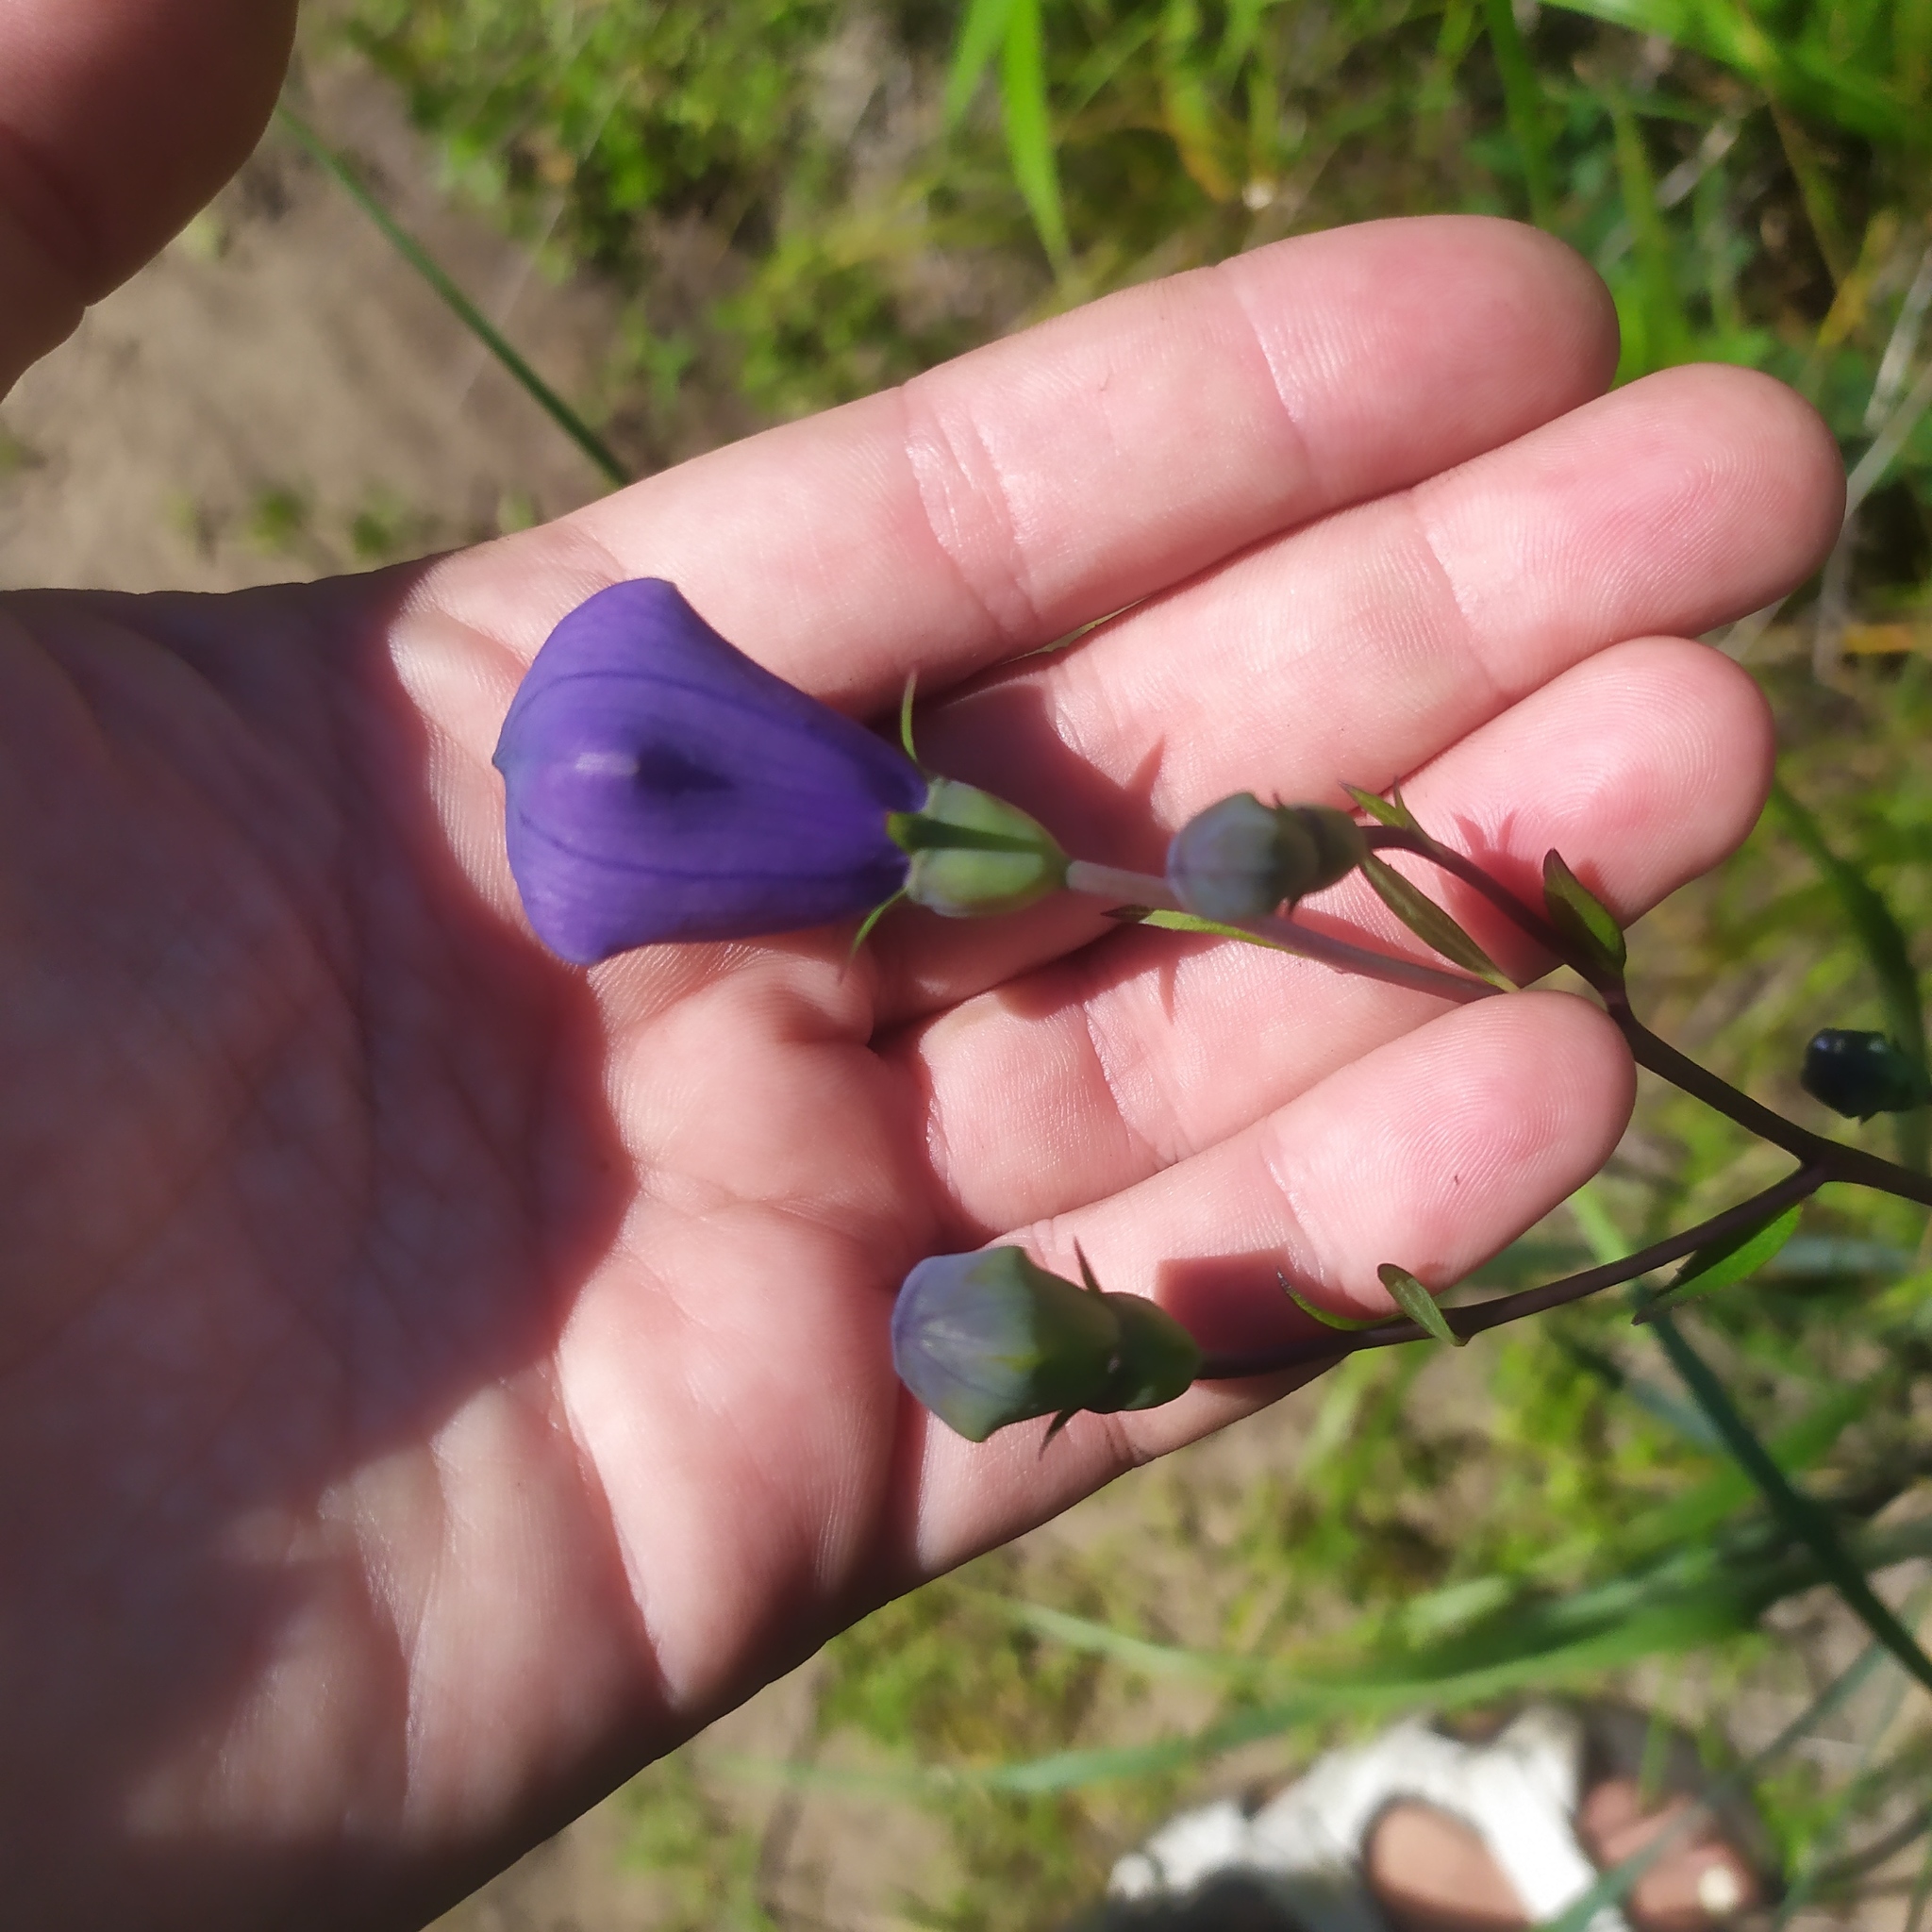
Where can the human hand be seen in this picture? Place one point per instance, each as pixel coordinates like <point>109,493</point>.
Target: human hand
<point>434,1380</point>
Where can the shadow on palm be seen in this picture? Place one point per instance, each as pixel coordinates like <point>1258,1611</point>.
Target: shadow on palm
<point>320,1156</point>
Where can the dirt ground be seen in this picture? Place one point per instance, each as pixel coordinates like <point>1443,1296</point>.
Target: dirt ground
<point>279,395</point>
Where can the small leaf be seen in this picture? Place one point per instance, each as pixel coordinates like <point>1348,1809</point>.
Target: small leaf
<point>1351,1325</point>
<point>1189,922</point>
<point>906,717</point>
<point>1431,924</point>
<point>1722,1262</point>
<point>871,919</point>
<point>1417,1304</point>
<point>1389,811</point>
<point>1579,915</point>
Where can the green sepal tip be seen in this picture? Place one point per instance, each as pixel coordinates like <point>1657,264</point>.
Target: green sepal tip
<point>1582,918</point>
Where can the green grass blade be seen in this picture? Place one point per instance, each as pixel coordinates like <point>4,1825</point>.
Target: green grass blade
<point>1101,1640</point>
<point>1029,130</point>
<point>1796,1510</point>
<point>982,32</point>
<point>456,301</point>
<point>1786,67</point>
<point>1883,943</point>
<point>1690,1517</point>
<point>1608,1627</point>
<point>1665,331</point>
<point>1523,104</point>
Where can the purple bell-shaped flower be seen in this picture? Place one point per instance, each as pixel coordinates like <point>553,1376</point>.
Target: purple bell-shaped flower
<point>661,786</point>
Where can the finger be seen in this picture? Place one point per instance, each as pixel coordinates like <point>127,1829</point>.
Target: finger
<point>1358,649</point>
<point>1006,498</point>
<point>1432,1153</point>
<point>118,119</point>
<point>1644,765</point>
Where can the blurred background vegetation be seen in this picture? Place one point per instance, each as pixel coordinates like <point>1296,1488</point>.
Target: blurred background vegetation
<point>797,201</point>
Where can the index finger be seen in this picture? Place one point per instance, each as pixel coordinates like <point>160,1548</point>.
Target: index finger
<point>1010,496</point>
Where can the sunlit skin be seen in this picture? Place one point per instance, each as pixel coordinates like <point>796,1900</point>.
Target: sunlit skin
<point>433,1380</point>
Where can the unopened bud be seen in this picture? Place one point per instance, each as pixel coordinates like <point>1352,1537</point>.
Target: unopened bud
<point>1859,1075</point>
<point>1241,858</point>
<point>990,1338</point>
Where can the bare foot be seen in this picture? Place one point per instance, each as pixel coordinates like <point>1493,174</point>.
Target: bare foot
<point>1432,1873</point>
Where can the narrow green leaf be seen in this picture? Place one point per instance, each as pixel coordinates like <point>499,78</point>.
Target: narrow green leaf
<point>1801,1517</point>
<point>1389,811</point>
<point>459,304</point>
<point>906,717</point>
<point>982,29</point>
<point>1522,107</point>
<point>1430,924</point>
<point>1350,1324</point>
<point>1029,131</point>
<point>1720,1263</point>
<point>1189,922</point>
<point>1886,950</point>
<point>871,919</point>
<point>1579,915</point>
<point>1417,1304</point>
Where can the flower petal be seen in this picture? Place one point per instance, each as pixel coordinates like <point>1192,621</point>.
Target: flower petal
<point>661,786</point>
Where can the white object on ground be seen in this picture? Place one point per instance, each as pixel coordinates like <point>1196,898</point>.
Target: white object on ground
<point>1518,1793</point>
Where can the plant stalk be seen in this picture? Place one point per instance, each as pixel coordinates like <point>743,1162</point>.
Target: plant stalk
<point>1332,1344</point>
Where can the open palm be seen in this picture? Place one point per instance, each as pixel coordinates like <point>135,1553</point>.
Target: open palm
<point>434,1379</point>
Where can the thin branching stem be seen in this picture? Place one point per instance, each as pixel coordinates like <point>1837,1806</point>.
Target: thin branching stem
<point>1331,1344</point>
<point>1839,1162</point>
<point>1144,891</point>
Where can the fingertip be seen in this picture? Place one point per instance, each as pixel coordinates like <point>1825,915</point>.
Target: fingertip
<point>1766,447</point>
<point>1651,758</point>
<point>118,120</point>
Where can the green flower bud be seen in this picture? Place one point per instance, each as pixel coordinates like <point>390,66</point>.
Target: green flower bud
<point>973,854</point>
<point>1241,858</point>
<point>990,1339</point>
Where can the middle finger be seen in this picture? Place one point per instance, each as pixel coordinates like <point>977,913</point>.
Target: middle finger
<point>1358,649</point>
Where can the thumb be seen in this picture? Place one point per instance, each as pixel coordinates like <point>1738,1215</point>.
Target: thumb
<point>118,119</point>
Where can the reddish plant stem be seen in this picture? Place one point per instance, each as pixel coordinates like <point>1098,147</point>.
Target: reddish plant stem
<point>1840,1163</point>
<point>1332,1344</point>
